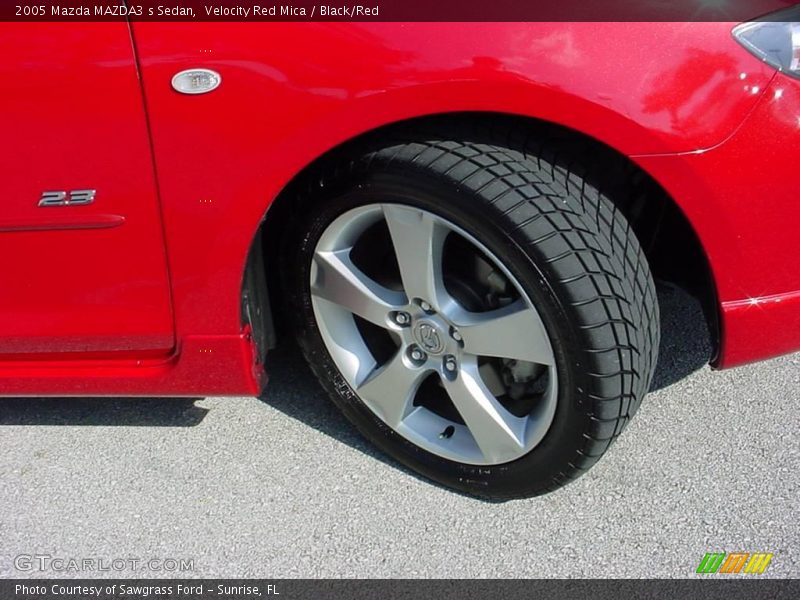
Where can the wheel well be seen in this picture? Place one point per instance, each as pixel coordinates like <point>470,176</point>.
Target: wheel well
<point>671,244</point>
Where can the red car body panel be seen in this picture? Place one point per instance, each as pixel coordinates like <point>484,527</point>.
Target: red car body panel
<point>153,306</point>
<point>83,279</point>
<point>746,211</point>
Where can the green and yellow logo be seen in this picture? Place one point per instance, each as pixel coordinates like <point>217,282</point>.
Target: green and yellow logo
<point>735,562</point>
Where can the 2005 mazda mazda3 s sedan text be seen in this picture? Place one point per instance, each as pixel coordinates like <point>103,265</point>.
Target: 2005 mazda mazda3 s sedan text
<point>460,223</point>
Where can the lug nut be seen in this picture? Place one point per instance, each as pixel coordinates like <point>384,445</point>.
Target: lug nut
<point>450,363</point>
<point>417,354</point>
<point>425,306</point>
<point>456,336</point>
<point>402,318</point>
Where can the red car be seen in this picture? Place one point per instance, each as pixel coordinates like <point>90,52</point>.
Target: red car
<point>460,223</point>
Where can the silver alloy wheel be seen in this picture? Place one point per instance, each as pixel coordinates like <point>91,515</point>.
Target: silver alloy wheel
<point>434,333</point>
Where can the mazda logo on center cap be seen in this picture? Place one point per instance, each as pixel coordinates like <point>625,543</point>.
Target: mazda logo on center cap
<point>429,338</point>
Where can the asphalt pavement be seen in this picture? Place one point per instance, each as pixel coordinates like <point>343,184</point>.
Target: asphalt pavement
<point>283,487</point>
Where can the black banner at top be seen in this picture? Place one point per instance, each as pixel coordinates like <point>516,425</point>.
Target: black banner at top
<point>391,10</point>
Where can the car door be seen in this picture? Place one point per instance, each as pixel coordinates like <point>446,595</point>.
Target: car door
<point>83,267</point>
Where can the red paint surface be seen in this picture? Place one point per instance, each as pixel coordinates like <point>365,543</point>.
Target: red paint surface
<point>72,118</point>
<point>81,306</point>
<point>743,203</point>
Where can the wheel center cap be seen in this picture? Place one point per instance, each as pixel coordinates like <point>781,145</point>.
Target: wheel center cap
<point>430,337</point>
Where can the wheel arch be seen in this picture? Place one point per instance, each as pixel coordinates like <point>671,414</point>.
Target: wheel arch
<point>657,218</point>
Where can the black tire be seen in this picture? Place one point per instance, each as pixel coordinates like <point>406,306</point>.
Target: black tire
<point>568,245</point>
